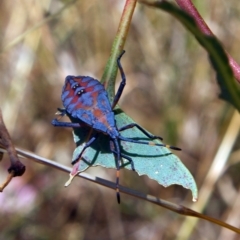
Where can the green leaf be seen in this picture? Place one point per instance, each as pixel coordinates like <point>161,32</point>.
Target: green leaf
<point>157,163</point>
<point>230,90</point>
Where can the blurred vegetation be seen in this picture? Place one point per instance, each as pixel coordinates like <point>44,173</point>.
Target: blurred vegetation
<point>171,91</point>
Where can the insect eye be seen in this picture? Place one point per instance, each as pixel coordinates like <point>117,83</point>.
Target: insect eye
<point>75,86</point>
<point>80,92</point>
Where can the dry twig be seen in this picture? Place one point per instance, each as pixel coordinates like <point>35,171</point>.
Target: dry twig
<point>16,168</point>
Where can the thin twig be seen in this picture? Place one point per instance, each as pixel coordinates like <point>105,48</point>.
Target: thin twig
<point>7,181</point>
<point>16,168</point>
<point>171,206</point>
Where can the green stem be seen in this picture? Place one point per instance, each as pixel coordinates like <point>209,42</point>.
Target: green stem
<point>110,72</point>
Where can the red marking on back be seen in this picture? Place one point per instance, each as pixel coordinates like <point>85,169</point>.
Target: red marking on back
<point>68,87</point>
<point>97,113</point>
<point>89,89</point>
<point>75,99</point>
<point>94,96</point>
<point>100,116</point>
<point>80,82</point>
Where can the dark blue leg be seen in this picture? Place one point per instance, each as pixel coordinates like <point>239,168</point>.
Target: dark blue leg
<point>118,162</point>
<point>61,111</point>
<point>88,144</point>
<point>126,157</point>
<point>122,84</point>
<point>56,123</point>
<point>131,125</point>
<point>148,143</point>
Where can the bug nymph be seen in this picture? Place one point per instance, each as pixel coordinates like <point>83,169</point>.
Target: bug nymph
<point>85,98</point>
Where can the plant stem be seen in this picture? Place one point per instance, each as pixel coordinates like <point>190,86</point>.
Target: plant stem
<point>110,72</point>
<point>188,7</point>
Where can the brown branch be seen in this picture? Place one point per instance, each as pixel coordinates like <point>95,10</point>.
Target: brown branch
<point>188,7</point>
<point>16,167</point>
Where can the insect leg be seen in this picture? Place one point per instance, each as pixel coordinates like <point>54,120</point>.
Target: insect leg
<point>56,123</point>
<point>118,162</point>
<point>87,144</point>
<point>61,111</point>
<point>122,84</point>
<point>76,171</point>
<point>148,143</point>
<point>126,157</point>
<point>141,129</point>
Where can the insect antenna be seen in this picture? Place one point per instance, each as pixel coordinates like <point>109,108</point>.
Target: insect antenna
<point>132,125</point>
<point>148,143</point>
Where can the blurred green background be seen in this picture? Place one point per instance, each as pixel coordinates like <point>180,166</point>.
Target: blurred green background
<point>171,91</point>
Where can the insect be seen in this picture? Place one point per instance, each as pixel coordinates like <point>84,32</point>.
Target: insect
<point>86,100</point>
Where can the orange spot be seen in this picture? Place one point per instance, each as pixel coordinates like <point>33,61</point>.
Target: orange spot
<point>74,99</point>
<point>94,98</point>
<point>97,113</point>
<point>79,81</point>
<point>89,89</point>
